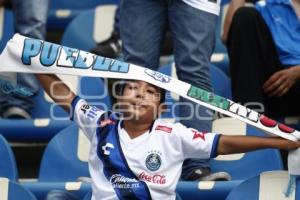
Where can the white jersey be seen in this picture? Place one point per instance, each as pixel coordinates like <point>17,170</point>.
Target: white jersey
<point>211,6</point>
<point>146,167</point>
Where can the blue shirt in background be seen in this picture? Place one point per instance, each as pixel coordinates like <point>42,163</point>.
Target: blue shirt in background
<point>284,25</point>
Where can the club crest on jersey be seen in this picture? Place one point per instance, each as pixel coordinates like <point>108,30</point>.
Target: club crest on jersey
<point>158,76</point>
<point>153,161</point>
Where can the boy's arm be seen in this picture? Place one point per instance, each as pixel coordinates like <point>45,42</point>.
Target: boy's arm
<point>240,144</point>
<point>57,90</point>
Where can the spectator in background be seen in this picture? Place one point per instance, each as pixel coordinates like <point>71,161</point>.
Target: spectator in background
<point>192,25</point>
<point>264,50</point>
<point>112,47</point>
<point>30,20</point>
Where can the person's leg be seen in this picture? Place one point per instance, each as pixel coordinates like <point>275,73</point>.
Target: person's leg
<point>193,41</point>
<point>253,59</point>
<point>253,56</point>
<point>142,27</point>
<point>30,20</point>
<point>30,17</point>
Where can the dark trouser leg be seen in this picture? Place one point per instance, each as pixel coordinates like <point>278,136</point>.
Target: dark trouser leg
<point>253,59</point>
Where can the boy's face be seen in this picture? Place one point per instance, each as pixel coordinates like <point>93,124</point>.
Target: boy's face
<point>140,101</point>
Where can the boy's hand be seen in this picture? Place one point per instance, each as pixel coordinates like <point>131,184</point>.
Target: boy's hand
<point>282,81</point>
<point>292,145</point>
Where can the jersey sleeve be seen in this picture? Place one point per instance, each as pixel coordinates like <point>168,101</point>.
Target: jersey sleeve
<point>86,116</point>
<point>196,144</point>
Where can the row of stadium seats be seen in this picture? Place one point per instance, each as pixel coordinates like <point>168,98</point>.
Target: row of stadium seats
<point>65,160</point>
<point>61,12</point>
<point>72,161</point>
<point>267,186</point>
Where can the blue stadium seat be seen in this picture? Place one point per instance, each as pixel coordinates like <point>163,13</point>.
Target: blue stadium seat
<point>28,130</point>
<point>66,156</point>
<point>88,196</point>
<point>267,186</point>
<point>89,28</point>
<point>247,165</point>
<point>61,12</point>
<point>10,190</point>
<point>94,90</point>
<point>36,130</point>
<point>210,190</point>
<point>47,119</point>
<point>8,167</point>
<point>239,166</point>
<point>6,27</point>
<point>220,82</point>
<point>45,108</point>
<point>41,189</point>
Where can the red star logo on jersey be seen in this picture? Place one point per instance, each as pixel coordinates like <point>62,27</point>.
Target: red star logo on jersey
<point>198,134</point>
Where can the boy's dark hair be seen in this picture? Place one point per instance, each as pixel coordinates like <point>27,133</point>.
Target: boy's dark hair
<point>121,86</point>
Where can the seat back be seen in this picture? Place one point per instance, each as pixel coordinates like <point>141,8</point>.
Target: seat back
<point>10,190</point>
<point>6,26</point>
<point>61,12</point>
<point>266,186</point>
<point>66,156</point>
<point>92,89</point>
<point>90,27</point>
<point>8,166</point>
<point>44,107</point>
<point>210,190</point>
<point>245,165</point>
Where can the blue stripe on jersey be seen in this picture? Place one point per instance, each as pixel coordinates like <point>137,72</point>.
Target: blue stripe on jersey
<point>126,185</point>
<point>214,149</point>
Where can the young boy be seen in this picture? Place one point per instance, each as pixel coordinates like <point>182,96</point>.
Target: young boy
<point>138,156</point>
